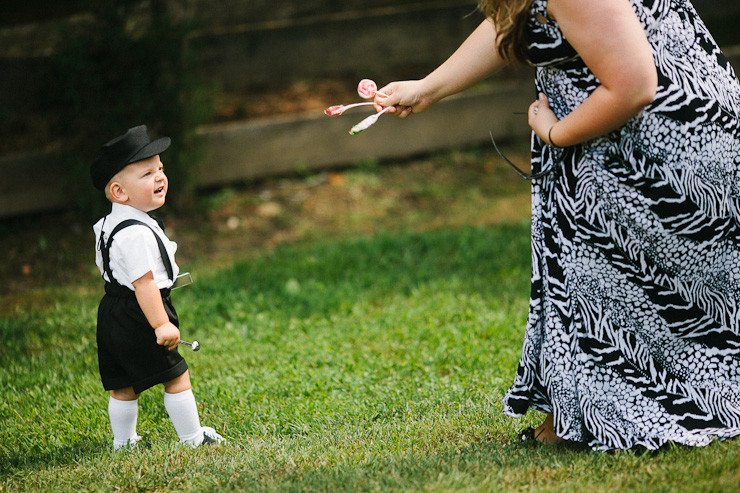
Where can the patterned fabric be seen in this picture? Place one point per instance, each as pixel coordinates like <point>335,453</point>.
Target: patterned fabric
<point>633,333</point>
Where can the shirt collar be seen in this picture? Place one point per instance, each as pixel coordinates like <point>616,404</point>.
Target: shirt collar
<point>121,211</point>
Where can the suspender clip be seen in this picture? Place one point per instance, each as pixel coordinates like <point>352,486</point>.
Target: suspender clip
<point>182,280</point>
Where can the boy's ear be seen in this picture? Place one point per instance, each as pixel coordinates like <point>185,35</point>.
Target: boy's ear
<point>116,192</point>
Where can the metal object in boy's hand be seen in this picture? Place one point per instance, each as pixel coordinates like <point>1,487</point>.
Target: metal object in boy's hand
<point>183,280</point>
<point>195,346</point>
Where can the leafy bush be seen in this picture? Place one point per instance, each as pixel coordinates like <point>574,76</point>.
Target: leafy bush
<point>118,68</point>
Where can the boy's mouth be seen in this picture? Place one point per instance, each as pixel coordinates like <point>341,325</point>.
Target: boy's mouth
<point>159,190</point>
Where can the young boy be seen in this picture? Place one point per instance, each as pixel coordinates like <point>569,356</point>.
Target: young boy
<point>137,325</point>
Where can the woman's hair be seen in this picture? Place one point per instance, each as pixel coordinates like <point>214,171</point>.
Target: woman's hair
<point>510,19</point>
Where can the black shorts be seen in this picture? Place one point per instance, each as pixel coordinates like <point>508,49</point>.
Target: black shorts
<point>128,353</point>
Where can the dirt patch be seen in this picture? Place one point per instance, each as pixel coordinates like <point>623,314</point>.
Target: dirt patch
<point>297,98</point>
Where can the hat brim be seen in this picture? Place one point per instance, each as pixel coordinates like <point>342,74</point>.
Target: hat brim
<point>151,149</point>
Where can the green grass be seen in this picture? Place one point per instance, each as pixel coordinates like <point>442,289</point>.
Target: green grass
<point>372,364</point>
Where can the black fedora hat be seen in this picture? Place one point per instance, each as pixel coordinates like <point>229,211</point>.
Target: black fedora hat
<point>134,145</point>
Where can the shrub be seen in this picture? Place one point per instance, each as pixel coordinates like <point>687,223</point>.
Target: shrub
<point>119,68</point>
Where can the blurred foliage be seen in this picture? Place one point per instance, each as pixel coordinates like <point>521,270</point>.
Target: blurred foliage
<point>15,13</point>
<point>129,66</point>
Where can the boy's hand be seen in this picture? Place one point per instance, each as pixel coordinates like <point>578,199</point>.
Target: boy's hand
<point>167,335</point>
<point>150,301</point>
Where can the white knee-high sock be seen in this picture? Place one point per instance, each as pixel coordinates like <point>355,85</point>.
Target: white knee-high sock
<point>123,416</point>
<point>183,413</point>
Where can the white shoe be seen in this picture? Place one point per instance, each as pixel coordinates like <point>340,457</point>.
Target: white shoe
<point>129,444</point>
<point>210,437</point>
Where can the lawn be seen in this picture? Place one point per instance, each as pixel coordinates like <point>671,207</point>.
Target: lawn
<point>371,361</point>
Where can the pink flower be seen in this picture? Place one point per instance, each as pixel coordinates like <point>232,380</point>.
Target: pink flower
<point>333,110</point>
<point>367,88</point>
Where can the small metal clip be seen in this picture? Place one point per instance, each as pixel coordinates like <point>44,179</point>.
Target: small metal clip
<point>182,280</point>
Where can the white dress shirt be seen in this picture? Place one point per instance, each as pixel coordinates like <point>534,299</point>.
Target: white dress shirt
<point>134,250</point>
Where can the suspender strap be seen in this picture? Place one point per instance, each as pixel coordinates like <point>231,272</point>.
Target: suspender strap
<point>105,251</point>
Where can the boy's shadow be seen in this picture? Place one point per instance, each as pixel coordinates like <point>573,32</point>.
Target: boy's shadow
<point>18,462</point>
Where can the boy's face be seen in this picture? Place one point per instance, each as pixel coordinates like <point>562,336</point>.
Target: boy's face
<point>143,184</point>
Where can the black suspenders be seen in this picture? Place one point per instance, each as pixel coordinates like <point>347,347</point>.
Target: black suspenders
<point>105,249</point>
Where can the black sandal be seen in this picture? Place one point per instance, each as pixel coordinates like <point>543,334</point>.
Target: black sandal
<point>526,436</point>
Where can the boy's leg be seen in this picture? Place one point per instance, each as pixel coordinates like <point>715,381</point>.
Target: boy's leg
<point>179,401</point>
<point>180,404</point>
<point>123,411</point>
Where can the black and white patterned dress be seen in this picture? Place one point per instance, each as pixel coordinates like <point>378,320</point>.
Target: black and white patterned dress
<point>633,334</point>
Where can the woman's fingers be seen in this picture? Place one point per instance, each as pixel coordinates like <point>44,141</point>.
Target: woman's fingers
<point>540,116</point>
<point>403,96</point>
<point>404,111</point>
<point>386,96</point>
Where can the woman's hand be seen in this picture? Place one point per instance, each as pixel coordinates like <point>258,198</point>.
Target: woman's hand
<point>404,97</point>
<point>542,118</point>
<point>473,61</point>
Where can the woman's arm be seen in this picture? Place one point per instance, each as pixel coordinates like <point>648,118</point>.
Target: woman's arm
<point>150,301</point>
<point>610,40</point>
<point>472,62</point>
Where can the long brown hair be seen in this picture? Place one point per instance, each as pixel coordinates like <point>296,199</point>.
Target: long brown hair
<point>510,19</point>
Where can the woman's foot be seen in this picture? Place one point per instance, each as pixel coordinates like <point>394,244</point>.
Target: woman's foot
<point>545,433</point>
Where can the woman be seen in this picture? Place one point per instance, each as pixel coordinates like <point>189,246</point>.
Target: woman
<point>633,335</point>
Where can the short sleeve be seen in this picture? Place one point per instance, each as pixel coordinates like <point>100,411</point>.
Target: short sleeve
<point>135,252</point>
